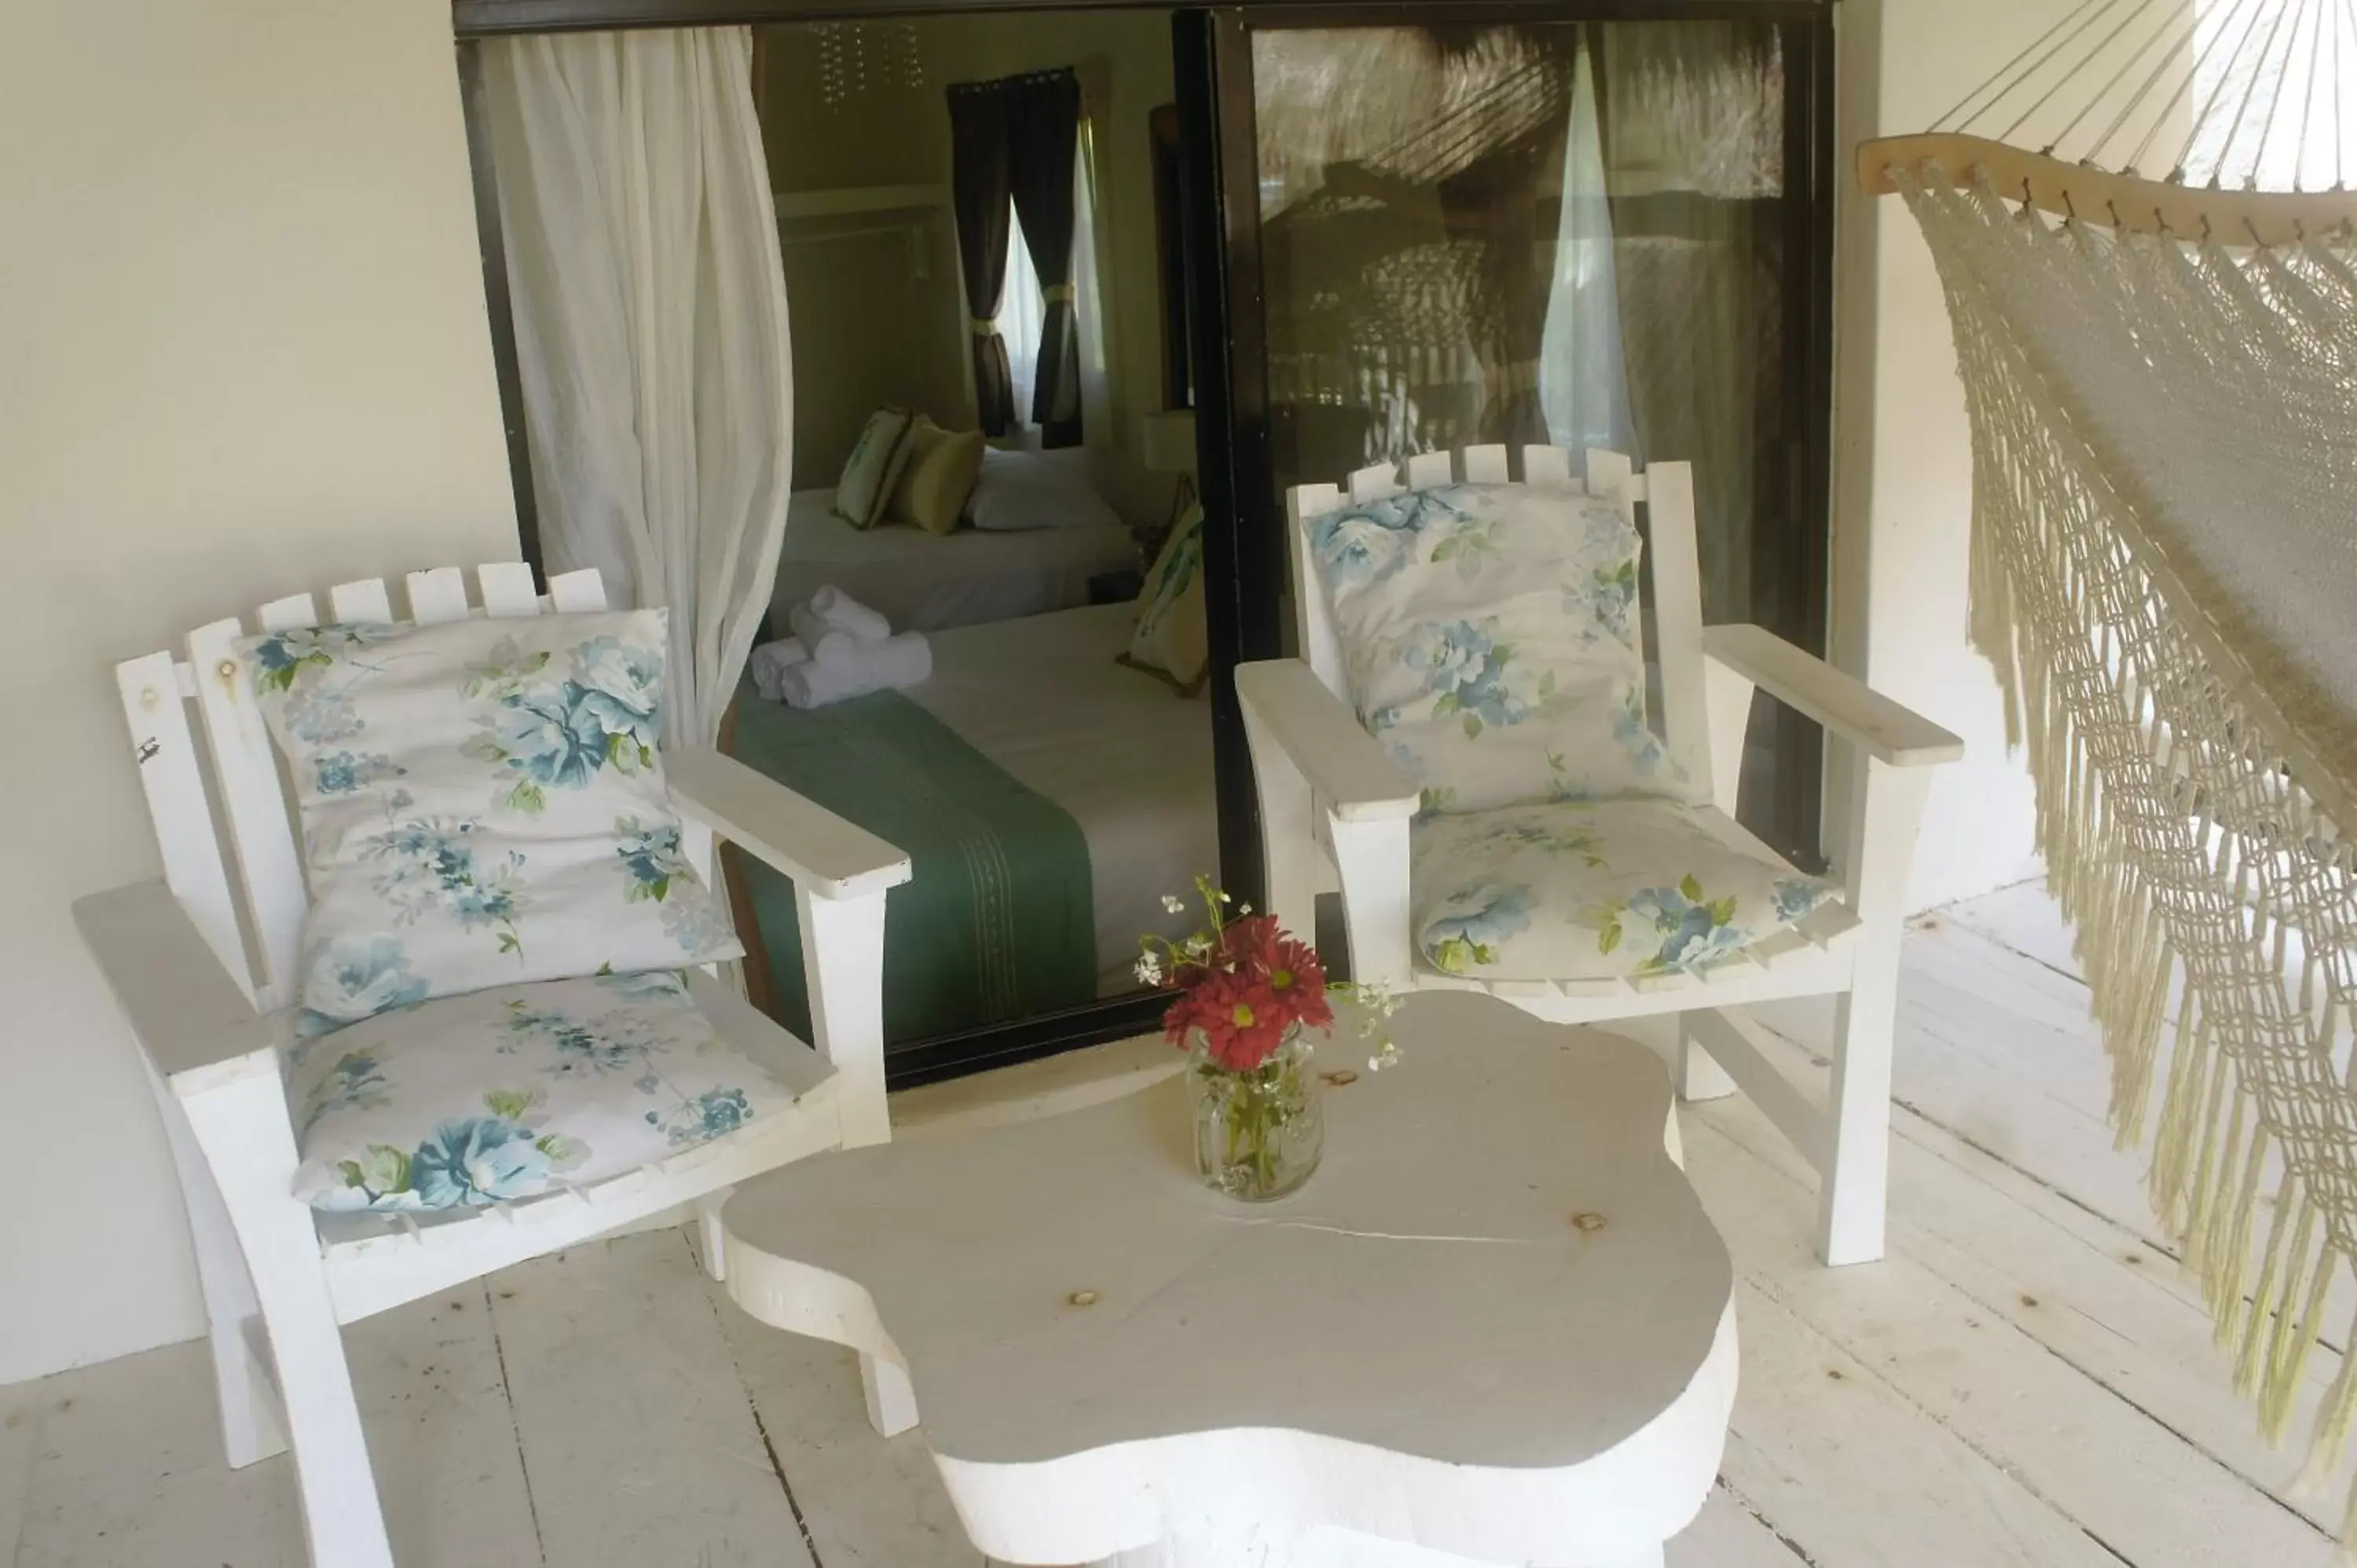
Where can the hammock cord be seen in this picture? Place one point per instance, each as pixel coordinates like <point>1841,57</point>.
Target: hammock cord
<point>2234,87</point>
<point>2164,440</point>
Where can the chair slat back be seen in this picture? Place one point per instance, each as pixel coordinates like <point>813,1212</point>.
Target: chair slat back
<point>1672,561</point>
<point>247,786</point>
<point>171,776</point>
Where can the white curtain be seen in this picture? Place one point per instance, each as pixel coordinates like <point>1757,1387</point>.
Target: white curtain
<point>650,310</point>
<point>1583,383</point>
<point>1023,307</point>
<point>1097,424</point>
<point>1022,317</point>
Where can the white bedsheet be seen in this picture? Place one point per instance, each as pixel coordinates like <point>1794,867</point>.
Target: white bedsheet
<point>1123,753</point>
<point>930,582</point>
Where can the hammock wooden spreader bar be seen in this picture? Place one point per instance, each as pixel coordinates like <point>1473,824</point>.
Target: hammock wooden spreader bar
<point>2093,194</point>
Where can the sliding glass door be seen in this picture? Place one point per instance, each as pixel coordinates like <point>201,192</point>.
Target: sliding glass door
<point>1574,225</point>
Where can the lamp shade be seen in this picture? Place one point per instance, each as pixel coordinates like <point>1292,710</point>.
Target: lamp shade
<point>1167,441</point>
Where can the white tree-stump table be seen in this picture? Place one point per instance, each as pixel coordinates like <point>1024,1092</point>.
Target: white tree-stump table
<point>1495,1328</point>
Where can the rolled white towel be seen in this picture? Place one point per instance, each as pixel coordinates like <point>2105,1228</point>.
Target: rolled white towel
<point>896,661</point>
<point>844,613</point>
<point>827,644</point>
<point>770,660</point>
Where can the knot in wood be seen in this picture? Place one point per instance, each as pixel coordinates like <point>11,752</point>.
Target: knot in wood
<point>1587,1222</point>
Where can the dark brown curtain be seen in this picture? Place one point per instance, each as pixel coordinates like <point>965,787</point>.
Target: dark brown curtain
<point>1043,132</point>
<point>979,186</point>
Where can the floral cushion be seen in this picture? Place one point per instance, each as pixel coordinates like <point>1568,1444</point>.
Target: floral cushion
<point>1573,891</point>
<point>482,804</point>
<point>512,1092</point>
<point>1491,642</point>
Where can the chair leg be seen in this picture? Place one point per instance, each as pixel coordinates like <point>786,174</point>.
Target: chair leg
<point>1851,1202</point>
<point>242,1379</point>
<point>891,1397</point>
<point>1699,1076</point>
<point>242,1129</point>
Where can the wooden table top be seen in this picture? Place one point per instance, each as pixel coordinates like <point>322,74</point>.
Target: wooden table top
<point>1497,1264</point>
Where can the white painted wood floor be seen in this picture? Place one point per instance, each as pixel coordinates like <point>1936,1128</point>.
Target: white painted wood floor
<point>2027,1379</point>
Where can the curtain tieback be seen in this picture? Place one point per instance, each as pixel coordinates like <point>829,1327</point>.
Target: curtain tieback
<point>1061,294</point>
<point>985,327</point>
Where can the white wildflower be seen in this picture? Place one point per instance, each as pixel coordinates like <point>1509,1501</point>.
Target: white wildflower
<point>1174,904</point>
<point>1149,968</point>
<point>1244,909</point>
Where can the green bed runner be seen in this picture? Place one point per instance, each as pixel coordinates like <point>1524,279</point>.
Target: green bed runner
<point>997,923</point>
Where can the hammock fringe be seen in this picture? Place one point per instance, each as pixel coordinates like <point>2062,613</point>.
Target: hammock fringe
<point>2195,865</point>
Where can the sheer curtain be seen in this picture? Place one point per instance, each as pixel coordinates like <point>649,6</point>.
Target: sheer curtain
<point>650,323</point>
<point>1022,312</point>
<point>1023,307</point>
<point>1583,383</point>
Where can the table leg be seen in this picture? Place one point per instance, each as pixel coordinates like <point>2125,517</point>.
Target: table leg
<point>891,1400</point>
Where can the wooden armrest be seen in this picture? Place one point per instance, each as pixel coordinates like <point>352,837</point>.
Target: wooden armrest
<point>1843,704</point>
<point>190,1017</point>
<point>828,856</point>
<point>1347,767</point>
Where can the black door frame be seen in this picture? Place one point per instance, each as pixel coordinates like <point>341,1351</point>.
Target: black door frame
<point>1245,566</point>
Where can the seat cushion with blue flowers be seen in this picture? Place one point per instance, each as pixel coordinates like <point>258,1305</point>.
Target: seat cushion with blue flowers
<point>506,1093</point>
<point>482,804</point>
<point>1576,891</point>
<point>1490,638</point>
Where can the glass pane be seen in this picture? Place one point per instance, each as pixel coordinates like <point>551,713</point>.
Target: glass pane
<point>1570,233</point>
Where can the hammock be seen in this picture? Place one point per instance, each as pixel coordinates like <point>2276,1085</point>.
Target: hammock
<point>2162,379</point>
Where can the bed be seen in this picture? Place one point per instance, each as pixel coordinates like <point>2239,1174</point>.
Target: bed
<point>929,582</point>
<point>1030,773</point>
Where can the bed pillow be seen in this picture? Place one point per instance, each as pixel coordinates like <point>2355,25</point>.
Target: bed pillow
<point>1171,639</point>
<point>874,466</point>
<point>939,476</point>
<point>1491,639</point>
<point>1024,490</point>
<point>482,804</point>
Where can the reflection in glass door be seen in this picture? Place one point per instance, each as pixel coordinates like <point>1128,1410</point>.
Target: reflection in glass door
<point>1589,234</point>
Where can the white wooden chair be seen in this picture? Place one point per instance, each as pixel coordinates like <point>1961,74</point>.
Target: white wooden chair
<point>280,1279</point>
<point>1335,809</point>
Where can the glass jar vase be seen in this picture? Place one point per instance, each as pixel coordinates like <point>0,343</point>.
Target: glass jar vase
<point>1258,1133</point>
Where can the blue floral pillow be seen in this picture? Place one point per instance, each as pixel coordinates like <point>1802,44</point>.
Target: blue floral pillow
<point>510,1092</point>
<point>482,804</point>
<point>1491,641</point>
<point>1630,889</point>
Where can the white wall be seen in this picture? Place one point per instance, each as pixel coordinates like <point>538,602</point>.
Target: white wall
<point>243,352</point>
<point>1903,495</point>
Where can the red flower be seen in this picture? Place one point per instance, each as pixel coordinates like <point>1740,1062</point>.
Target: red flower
<point>1259,949</point>
<point>1242,1022</point>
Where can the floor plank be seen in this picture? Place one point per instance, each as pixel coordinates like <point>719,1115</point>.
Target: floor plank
<point>20,1435</point>
<point>129,1473</point>
<point>2130,1483</point>
<point>1818,1432</point>
<point>1730,1532</point>
<point>638,1442</point>
<point>2091,1296</point>
<point>869,1502</point>
<point>442,1439</point>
